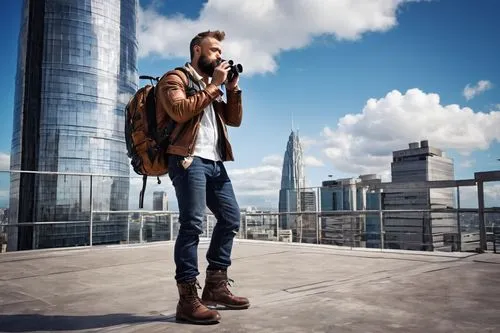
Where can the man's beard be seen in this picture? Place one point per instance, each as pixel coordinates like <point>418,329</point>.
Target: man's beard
<point>206,66</point>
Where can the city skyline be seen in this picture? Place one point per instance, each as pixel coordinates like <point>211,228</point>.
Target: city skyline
<point>379,85</point>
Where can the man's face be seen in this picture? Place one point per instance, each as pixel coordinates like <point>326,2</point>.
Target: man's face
<point>210,53</point>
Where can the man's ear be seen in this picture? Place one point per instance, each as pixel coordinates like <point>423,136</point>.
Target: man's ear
<point>197,49</point>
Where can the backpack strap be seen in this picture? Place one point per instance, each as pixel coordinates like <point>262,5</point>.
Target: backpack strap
<point>151,112</point>
<point>141,194</point>
<point>189,83</point>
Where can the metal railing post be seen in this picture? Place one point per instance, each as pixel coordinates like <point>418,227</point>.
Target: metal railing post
<point>141,237</point>
<point>381,217</point>
<point>318,218</point>
<point>262,221</point>
<point>208,225</point>
<point>482,227</point>
<point>352,231</point>
<point>277,228</point>
<point>459,227</point>
<point>128,230</point>
<point>171,217</point>
<point>246,226</point>
<point>320,230</point>
<point>91,211</point>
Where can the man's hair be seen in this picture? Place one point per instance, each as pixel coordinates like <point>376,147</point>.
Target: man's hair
<point>217,34</point>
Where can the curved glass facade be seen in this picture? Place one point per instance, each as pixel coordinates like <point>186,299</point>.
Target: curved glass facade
<point>77,69</point>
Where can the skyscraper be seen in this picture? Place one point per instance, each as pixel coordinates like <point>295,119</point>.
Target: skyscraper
<point>160,201</point>
<point>292,180</point>
<point>419,231</point>
<point>350,194</point>
<point>77,68</point>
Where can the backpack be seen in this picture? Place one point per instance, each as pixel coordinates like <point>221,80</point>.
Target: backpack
<point>147,133</point>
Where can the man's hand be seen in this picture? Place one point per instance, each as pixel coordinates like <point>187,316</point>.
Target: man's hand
<point>220,73</point>
<point>233,84</point>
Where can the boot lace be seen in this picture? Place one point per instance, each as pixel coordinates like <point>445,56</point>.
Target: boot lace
<point>225,283</point>
<point>193,297</point>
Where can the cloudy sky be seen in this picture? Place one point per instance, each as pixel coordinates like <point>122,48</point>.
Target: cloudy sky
<point>357,79</point>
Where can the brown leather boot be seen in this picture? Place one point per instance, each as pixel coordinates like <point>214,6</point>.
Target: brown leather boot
<point>190,308</point>
<point>216,292</point>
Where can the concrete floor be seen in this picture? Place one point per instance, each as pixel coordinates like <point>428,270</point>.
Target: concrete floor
<point>292,288</point>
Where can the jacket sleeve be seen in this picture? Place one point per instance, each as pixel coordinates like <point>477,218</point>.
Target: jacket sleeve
<point>171,97</point>
<point>233,110</point>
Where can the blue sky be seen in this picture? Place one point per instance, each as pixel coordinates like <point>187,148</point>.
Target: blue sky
<point>359,81</point>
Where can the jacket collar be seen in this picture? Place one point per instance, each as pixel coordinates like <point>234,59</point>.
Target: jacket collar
<point>194,73</point>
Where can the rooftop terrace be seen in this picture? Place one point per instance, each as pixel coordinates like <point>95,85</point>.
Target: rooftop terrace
<point>292,288</point>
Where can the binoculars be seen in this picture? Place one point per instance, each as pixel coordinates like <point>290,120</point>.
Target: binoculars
<point>234,69</point>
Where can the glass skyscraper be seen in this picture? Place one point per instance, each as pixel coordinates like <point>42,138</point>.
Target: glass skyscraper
<point>77,68</point>
<point>292,180</point>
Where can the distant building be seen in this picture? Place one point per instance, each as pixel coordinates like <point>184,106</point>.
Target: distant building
<point>292,179</point>
<point>160,200</point>
<point>157,226</point>
<point>350,194</point>
<point>259,224</point>
<point>419,231</point>
<point>307,229</point>
<point>372,224</point>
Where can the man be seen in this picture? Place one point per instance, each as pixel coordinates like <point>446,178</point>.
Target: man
<point>199,146</point>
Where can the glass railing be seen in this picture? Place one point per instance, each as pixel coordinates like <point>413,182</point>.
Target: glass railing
<point>404,230</point>
<point>88,210</point>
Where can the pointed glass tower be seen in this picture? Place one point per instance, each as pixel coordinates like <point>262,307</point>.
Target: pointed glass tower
<point>292,180</point>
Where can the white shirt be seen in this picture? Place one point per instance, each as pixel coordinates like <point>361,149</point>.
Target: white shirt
<point>208,135</point>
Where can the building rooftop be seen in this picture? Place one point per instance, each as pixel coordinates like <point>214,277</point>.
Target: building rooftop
<point>292,288</point>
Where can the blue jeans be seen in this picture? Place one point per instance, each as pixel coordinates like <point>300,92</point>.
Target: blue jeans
<point>204,183</point>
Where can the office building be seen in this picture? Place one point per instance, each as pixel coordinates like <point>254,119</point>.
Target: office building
<point>77,68</point>
<point>308,226</point>
<point>160,200</point>
<point>350,194</point>
<point>419,230</point>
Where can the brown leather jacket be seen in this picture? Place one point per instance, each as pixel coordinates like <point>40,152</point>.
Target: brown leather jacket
<point>187,112</point>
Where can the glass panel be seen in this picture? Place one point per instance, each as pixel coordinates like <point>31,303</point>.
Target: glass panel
<point>262,226</point>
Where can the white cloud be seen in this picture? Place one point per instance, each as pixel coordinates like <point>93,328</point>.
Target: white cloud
<point>471,92</point>
<point>124,98</point>
<point>4,161</point>
<point>273,160</point>
<point>260,181</point>
<point>385,175</point>
<point>258,30</point>
<point>468,163</point>
<point>307,142</point>
<point>311,161</point>
<point>492,194</point>
<point>363,142</point>
<point>468,195</point>
<point>258,186</point>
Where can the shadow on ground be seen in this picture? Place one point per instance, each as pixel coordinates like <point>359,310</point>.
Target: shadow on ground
<point>38,322</point>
